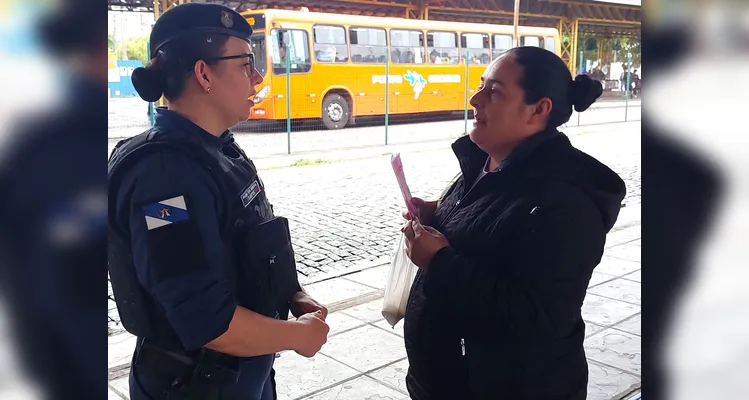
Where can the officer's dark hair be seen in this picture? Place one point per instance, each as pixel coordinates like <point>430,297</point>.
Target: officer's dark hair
<point>169,69</point>
<point>544,74</point>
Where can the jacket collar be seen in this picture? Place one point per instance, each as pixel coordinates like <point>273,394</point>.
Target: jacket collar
<point>471,158</point>
<point>184,129</point>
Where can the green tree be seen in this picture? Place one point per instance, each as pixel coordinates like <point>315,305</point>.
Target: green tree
<point>608,49</point>
<point>626,45</point>
<point>111,42</point>
<point>630,45</point>
<point>137,49</point>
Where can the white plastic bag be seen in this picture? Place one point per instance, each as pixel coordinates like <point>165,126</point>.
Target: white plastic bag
<point>402,274</point>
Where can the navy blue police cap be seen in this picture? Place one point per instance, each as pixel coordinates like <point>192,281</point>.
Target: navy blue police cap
<point>192,18</point>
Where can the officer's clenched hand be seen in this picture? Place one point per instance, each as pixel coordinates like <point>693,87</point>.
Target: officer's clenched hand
<point>302,303</point>
<point>422,243</point>
<point>313,333</point>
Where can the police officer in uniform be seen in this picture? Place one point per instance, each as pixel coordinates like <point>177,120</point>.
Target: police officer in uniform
<point>202,271</point>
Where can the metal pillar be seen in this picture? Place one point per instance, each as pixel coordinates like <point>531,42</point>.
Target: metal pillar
<point>629,84</point>
<point>569,27</point>
<point>387,95</point>
<point>465,90</point>
<point>424,12</point>
<point>159,7</point>
<point>515,19</point>
<point>151,116</point>
<point>415,9</point>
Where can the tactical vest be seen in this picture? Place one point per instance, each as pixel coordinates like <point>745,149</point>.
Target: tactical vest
<point>262,270</point>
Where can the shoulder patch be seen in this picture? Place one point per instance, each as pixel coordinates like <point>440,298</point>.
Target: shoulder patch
<point>165,212</point>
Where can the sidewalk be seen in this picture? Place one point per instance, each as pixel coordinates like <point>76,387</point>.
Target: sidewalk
<point>365,357</point>
<point>356,153</point>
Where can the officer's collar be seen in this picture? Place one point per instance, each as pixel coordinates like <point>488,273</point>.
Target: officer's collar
<point>183,127</point>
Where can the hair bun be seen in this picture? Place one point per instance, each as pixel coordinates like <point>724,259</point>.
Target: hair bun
<point>584,91</point>
<point>149,83</point>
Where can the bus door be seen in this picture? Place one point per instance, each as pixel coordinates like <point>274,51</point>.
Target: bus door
<point>291,50</point>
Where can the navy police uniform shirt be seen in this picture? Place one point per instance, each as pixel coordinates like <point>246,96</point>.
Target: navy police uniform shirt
<point>173,209</point>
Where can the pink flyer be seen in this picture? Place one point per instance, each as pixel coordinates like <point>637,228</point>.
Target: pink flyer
<point>397,164</point>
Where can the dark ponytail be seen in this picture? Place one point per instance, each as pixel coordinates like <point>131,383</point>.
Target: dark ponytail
<point>166,73</point>
<point>544,74</point>
<point>149,82</point>
<point>583,92</point>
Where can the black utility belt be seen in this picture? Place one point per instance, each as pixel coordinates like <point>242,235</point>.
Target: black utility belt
<point>205,365</point>
<point>153,360</point>
<point>201,378</point>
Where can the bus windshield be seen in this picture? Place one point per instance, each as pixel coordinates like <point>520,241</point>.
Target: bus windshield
<point>261,56</point>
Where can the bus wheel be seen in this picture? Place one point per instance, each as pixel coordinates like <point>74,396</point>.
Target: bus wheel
<point>335,111</point>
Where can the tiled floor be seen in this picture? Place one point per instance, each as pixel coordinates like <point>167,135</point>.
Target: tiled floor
<point>365,357</point>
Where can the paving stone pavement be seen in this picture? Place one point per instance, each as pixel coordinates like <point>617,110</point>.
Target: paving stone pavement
<point>348,214</point>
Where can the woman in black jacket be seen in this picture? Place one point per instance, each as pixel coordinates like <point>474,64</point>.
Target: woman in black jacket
<point>506,256</point>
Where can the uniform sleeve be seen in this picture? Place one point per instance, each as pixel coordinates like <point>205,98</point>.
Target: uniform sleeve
<point>178,254</point>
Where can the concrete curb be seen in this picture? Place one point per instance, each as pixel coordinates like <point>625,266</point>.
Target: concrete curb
<point>634,393</point>
<point>357,267</point>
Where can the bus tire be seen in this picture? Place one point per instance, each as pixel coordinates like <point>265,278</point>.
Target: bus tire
<point>335,111</point>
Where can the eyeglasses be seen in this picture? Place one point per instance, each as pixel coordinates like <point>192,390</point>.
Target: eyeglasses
<point>249,56</point>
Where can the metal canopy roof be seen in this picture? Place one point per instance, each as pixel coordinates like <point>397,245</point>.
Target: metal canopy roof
<point>602,17</point>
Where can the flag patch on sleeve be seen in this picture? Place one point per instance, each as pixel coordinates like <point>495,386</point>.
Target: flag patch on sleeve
<point>165,212</point>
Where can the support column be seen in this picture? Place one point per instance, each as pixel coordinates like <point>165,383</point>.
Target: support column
<point>515,21</point>
<point>423,12</point>
<point>569,27</point>
<point>159,7</point>
<point>414,9</point>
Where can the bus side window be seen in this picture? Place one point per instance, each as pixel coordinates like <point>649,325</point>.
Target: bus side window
<point>550,44</point>
<point>535,41</point>
<point>294,44</point>
<point>368,45</point>
<point>407,46</point>
<point>330,44</point>
<point>443,48</point>
<point>502,44</point>
<point>475,48</point>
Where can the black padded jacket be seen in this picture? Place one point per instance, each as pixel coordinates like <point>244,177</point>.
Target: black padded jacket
<point>497,315</point>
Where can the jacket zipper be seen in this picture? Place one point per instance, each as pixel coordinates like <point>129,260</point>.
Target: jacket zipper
<point>465,196</point>
<point>457,204</point>
<point>462,346</point>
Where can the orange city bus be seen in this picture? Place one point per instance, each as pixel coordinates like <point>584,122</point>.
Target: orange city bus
<point>337,63</point>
